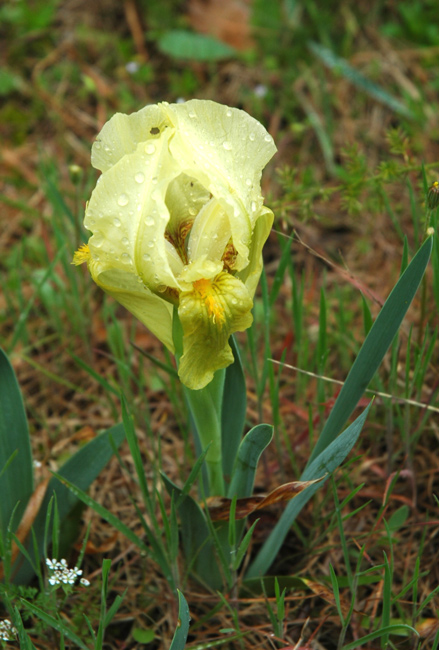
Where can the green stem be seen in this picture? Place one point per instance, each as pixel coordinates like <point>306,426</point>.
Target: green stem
<point>205,407</point>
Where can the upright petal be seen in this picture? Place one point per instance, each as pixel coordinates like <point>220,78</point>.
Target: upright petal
<point>128,215</point>
<point>226,150</point>
<point>252,272</point>
<point>122,134</point>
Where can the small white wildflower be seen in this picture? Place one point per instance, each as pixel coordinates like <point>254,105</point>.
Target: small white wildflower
<point>7,631</point>
<point>37,464</point>
<point>84,582</point>
<point>260,91</point>
<point>61,574</point>
<point>132,67</point>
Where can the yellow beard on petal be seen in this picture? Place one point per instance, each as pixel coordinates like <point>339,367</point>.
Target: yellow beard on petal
<point>207,292</point>
<point>81,255</point>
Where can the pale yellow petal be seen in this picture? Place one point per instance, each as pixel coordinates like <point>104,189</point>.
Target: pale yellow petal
<point>209,314</point>
<point>199,269</point>
<point>251,274</point>
<point>121,135</point>
<point>129,290</point>
<point>128,215</point>
<point>210,232</point>
<point>225,150</point>
<point>185,198</point>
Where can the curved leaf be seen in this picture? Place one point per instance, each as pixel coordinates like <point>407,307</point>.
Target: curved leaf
<point>16,470</point>
<point>249,452</point>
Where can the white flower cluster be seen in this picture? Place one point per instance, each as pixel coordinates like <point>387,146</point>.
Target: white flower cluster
<point>7,630</point>
<point>61,574</point>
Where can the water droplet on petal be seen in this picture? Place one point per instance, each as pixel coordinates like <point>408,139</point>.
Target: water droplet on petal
<point>227,145</point>
<point>117,222</point>
<point>229,112</point>
<point>251,136</point>
<point>123,200</point>
<point>268,138</point>
<point>192,114</point>
<point>149,221</point>
<point>125,241</point>
<point>146,257</point>
<point>125,257</point>
<point>139,177</point>
<point>248,182</point>
<point>253,206</point>
<point>192,212</point>
<point>150,148</point>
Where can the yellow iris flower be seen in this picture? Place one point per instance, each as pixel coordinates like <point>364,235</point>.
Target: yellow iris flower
<point>178,220</point>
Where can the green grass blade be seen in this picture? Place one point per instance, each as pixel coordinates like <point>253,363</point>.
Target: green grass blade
<point>25,313</point>
<point>55,623</point>
<point>327,462</point>
<point>399,629</point>
<point>16,470</point>
<point>375,347</point>
<point>333,61</point>
<point>82,469</point>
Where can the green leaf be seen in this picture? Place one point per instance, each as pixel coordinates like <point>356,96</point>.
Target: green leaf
<point>81,469</point>
<point>181,44</point>
<point>180,635</point>
<point>326,462</point>
<point>249,452</point>
<point>398,518</point>
<point>233,412</point>
<point>16,470</point>
<point>143,636</point>
<point>198,547</point>
<point>375,347</point>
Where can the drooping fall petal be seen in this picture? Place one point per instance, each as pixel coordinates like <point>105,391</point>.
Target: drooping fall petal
<point>209,314</point>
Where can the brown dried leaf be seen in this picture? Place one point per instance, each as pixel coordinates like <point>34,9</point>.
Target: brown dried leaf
<point>91,548</point>
<point>227,20</point>
<point>219,507</point>
<point>327,594</point>
<point>427,627</point>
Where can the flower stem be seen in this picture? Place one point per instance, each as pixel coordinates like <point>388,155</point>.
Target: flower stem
<point>205,406</point>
